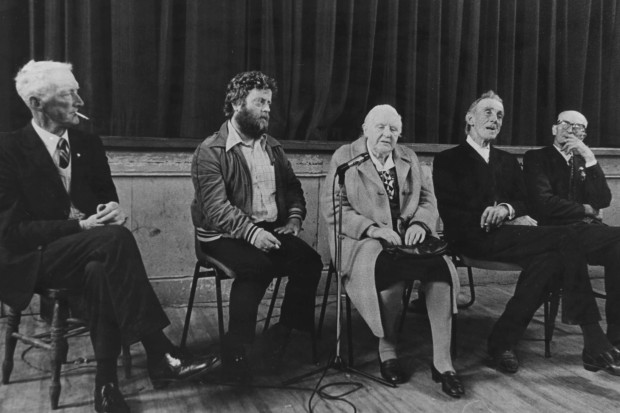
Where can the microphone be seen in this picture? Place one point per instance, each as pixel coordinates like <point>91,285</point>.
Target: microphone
<point>355,161</point>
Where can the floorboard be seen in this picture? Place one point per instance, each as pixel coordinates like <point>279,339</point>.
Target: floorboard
<point>559,384</point>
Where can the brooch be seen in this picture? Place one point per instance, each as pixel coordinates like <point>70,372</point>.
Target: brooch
<point>582,173</point>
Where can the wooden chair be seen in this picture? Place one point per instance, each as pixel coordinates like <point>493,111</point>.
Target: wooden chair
<point>209,267</point>
<point>63,326</point>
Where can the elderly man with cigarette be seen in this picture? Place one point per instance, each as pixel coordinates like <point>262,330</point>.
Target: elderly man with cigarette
<point>482,201</point>
<point>61,227</point>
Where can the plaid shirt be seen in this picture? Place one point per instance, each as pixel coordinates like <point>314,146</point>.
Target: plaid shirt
<point>264,207</point>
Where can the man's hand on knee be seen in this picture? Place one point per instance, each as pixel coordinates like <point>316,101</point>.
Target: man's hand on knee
<point>266,241</point>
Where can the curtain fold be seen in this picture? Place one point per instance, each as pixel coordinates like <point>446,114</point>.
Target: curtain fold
<point>160,67</point>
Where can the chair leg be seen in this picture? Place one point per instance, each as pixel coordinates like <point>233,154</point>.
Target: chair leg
<point>554,305</point>
<point>57,350</point>
<point>190,305</point>
<point>272,303</point>
<point>472,290</point>
<point>127,361</point>
<point>349,331</point>
<point>220,310</point>
<point>328,281</point>
<point>546,325</point>
<point>12,326</point>
<point>406,297</point>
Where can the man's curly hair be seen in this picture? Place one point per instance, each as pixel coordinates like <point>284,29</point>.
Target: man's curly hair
<point>242,84</point>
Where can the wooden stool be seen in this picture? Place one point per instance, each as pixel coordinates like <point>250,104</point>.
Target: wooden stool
<point>54,341</point>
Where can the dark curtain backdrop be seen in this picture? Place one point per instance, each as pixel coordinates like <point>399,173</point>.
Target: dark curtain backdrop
<point>159,68</point>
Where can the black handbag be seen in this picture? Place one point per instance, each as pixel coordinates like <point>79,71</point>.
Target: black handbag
<point>430,247</point>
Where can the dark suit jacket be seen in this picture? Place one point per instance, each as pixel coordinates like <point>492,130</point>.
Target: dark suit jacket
<point>465,185</point>
<point>547,181</point>
<point>34,206</point>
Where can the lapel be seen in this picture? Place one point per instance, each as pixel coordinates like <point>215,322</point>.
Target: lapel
<point>560,169</point>
<point>557,160</point>
<point>476,166</point>
<point>41,161</point>
<point>474,156</point>
<point>367,168</point>
<point>403,164</point>
<point>402,161</point>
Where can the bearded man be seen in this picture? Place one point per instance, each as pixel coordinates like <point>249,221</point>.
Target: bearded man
<point>248,209</point>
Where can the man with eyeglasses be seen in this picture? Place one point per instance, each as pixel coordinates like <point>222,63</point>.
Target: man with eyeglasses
<point>566,186</point>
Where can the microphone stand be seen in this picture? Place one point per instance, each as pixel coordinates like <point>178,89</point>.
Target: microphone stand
<point>336,362</point>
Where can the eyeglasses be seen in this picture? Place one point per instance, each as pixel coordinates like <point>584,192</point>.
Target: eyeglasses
<point>577,128</point>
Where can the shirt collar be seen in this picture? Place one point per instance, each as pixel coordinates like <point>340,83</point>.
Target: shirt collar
<point>564,155</point>
<point>234,138</point>
<point>48,138</point>
<point>389,162</point>
<point>484,152</point>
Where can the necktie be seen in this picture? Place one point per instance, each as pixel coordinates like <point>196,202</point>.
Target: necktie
<point>64,156</point>
<point>571,179</point>
<point>388,183</point>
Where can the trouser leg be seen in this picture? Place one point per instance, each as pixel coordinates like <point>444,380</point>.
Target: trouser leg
<point>302,265</point>
<point>529,291</point>
<point>104,263</point>
<point>253,274</point>
<point>519,244</point>
<point>602,244</point>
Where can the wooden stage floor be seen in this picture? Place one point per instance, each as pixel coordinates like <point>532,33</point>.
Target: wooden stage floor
<point>558,384</point>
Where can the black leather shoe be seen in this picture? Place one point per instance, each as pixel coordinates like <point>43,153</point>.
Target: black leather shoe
<point>175,366</point>
<point>236,366</point>
<point>392,371</point>
<point>450,382</point>
<point>109,399</point>
<point>608,361</point>
<point>505,361</point>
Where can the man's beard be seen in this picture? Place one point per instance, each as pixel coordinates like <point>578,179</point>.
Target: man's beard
<point>250,124</point>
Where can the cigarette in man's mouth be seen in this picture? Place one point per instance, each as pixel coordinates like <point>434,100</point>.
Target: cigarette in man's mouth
<point>82,116</point>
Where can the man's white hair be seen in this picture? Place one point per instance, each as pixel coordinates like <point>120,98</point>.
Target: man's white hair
<point>35,78</point>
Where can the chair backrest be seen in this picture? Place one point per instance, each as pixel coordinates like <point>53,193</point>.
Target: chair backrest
<point>206,260</point>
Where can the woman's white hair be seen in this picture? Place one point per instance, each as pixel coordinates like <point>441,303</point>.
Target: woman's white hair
<point>34,78</point>
<point>380,109</point>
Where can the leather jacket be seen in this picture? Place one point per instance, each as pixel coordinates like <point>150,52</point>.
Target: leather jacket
<point>222,204</point>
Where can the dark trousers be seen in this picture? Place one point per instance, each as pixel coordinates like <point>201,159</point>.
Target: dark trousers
<point>254,271</point>
<point>105,264</point>
<point>547,255</point>
<point>601,244</point>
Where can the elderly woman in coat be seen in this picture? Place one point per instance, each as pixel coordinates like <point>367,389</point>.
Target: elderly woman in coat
<point>389,189</point>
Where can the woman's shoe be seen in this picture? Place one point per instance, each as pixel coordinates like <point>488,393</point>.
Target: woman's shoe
<point>392,371</point>
<point>450,382</point>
